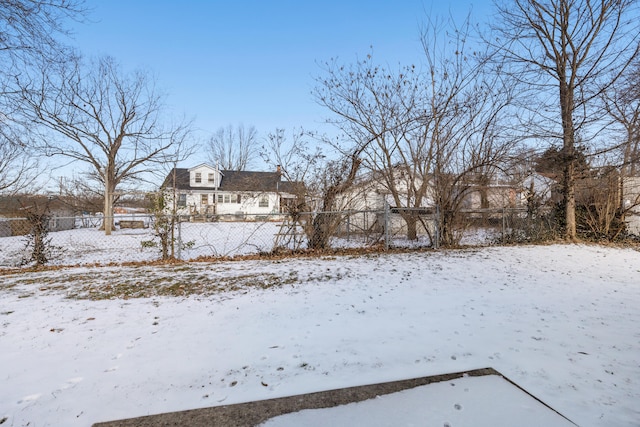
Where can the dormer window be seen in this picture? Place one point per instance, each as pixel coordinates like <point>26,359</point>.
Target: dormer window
<point>198,177</point>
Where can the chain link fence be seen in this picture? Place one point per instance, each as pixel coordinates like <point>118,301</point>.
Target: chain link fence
<point>81,240</point>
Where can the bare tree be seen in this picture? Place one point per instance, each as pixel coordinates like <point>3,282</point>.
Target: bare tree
<point>164,204</point>
<point>464,123</point>
<point>565,53</point>
<point>424,137</point>
<point>17,167</point>
<point>81,194</point>
<point>299,162</point>
<point>316,181</point>
<point>620,163</point>
<point>295,152</point>
<point>30,32</point>
<point>376,108</point>
<point>30,29</point>
<point>108,120</point>
<point>623,106</point>
<point>233,148</point>
<point>337,177</point>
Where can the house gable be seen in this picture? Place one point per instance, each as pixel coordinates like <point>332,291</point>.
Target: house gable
<point>204,176</point>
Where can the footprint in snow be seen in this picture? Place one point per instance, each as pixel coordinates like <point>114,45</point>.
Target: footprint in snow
<point>132,343</point>
<point>71,382</point>
<point>29,398</point>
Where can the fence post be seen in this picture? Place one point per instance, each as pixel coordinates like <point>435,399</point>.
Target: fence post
<point>386,225</point>
<point>504,222</point>
<point>179,251</point>
<point>348,226</point>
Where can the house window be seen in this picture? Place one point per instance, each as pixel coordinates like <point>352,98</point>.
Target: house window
<point>198,177</point>
<point>229,198</point>
<point>182,200</point>
<point>212,178</point>
<point>264,202</point>
<point>205,199</point>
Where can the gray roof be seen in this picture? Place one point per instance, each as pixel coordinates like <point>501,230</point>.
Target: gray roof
<point>240,181</point>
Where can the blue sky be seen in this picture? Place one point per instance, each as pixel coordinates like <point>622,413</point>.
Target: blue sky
<point>251,61</point>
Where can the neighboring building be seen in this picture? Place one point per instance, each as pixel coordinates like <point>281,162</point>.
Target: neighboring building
<point>206,190</point>
<point>631,203</point>
<point>369,193</point>
<point>371,196</point>
<point>13,211</point>
<point>501,193</point>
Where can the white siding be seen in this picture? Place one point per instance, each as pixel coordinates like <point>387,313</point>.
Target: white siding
<point>249,205</point>
<point>204,171</point>
<point>631,200</point>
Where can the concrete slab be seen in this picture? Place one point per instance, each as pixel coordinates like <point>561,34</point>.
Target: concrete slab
<point>302,409</point>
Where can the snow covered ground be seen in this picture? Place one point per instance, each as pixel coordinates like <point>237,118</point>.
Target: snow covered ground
<point>90,245</point>
<point>210,239</point>
<point>562,321</point>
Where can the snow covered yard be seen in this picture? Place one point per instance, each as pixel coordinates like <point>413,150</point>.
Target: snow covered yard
<point>91,246</point>
<point>562,321</point>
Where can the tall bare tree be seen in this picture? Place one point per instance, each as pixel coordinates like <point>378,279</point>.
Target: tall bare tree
<point>30,33</point>
<point>565,53</point>
<point>112,122</point>
<point>465,114</point>
<point>424,136</point>
<point>377,109</point>
<point>233,148</point>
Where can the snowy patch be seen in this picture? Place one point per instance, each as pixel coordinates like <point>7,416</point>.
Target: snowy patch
<point>561,321</point>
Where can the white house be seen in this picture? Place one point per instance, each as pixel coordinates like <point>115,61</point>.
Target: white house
<point>206,190</point>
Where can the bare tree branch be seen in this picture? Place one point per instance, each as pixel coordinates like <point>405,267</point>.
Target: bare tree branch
<point>424,136</point>
<point>233,148</point>
<point>110,121</point>
<point>30,33</point>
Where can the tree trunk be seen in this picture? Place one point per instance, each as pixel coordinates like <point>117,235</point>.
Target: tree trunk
<point>570,201</point>
<point>106,216</point>
<point>568,158</point>
<point>412,226</point>
<point>322,224</point>
<point>109,190</point>
<point>325,223</point>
